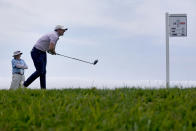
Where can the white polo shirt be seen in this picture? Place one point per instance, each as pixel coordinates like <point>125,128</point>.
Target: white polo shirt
<point>44,42</point>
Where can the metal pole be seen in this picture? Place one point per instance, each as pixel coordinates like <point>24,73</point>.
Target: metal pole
<point>167,51</point>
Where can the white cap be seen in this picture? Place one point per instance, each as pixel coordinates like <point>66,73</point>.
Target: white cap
<point>17,53</point>
<point>60,27</point>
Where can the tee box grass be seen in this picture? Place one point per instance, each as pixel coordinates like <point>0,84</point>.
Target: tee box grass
<point>98,109</point>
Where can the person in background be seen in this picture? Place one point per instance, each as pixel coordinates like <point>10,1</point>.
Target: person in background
<point>18,67</point>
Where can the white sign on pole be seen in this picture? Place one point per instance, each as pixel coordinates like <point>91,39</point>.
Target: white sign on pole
<point>178,25</point>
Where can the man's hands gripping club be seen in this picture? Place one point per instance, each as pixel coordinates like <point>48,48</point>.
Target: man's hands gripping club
<point>52,49</point>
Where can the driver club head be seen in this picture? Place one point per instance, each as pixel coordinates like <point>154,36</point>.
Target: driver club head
<point>95,62</point>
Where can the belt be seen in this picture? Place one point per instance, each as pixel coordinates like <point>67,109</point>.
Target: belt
<point>18,73</point>
<point>35,49</point>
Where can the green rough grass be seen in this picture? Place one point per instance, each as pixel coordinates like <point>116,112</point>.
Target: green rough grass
<point>93,109</point>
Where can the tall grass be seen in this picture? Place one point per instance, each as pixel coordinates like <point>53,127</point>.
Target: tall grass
<point>93,109</point>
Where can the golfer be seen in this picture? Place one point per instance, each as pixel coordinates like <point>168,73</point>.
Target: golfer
<point>46,43</point>
<point>18,66</point>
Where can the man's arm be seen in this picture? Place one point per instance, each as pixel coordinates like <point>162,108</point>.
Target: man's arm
<point>53,40</point>
<point>20,66</point>
<point>52,48</point>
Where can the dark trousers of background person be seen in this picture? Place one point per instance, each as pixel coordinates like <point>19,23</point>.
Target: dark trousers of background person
<point>40,60</point>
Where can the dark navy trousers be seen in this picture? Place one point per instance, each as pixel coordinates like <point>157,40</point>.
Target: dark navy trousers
<point>39,60</point>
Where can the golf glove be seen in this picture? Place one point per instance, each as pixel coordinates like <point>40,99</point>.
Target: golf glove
<point>51,53</point>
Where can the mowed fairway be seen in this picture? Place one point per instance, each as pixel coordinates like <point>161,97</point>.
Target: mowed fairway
<point>94,109</point>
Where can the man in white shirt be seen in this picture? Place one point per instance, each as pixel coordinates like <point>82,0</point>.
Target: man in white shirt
<point>46,43</point>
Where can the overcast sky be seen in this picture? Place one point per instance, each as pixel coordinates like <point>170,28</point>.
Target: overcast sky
<point>127,36</point>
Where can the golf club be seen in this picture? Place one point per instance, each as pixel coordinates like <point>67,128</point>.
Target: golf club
<point>93,63</point>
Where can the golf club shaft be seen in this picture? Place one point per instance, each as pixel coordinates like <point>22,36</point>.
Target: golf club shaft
<point>74,58</point>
